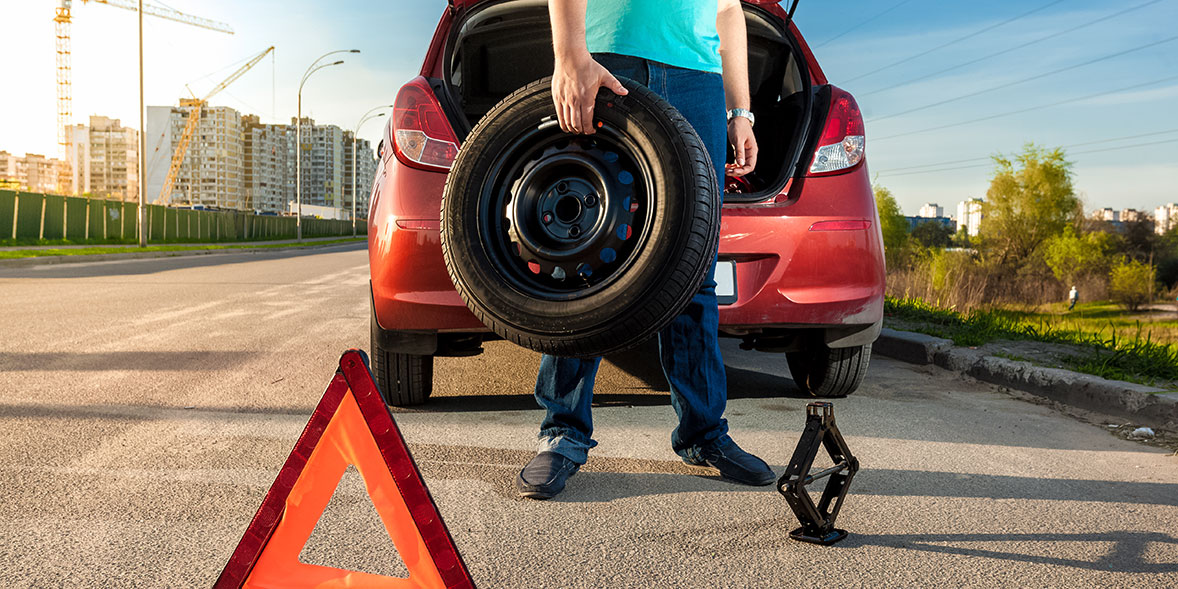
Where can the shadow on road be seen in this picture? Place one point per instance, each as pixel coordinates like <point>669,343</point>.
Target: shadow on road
<point>138,361</point>
<point>606,478</point>
<point>640,363</point>
<point>1127,554</point>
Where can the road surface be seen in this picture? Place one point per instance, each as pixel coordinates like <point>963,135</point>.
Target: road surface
<point>146,406</point>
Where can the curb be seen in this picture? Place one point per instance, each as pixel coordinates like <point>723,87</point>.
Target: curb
<point>132,255</point>
<point>1114,397</point>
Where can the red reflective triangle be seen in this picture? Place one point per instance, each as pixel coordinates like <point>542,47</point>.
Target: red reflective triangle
<point>350,426</point>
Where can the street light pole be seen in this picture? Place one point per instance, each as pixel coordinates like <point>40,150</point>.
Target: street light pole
<point>355,196</point>
<point>142,140</point>
<point>314,67</point>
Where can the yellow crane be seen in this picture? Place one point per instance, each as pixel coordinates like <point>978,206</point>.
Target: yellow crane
<point>65,96</point>
<point>196,105</point>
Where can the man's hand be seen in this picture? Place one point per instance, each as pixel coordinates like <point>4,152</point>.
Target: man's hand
<point>744,144</point>
<point>575,82</point>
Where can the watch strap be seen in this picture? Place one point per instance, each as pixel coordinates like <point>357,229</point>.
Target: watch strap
<point>743,112</point>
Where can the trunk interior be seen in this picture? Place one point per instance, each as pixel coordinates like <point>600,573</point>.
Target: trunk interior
<point>499,47</point>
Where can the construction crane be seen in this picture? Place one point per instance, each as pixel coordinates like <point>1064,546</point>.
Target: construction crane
<point>197,104</point>
<point>61,30</point>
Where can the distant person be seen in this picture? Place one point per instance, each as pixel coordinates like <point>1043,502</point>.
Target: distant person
<point>1073,297</point>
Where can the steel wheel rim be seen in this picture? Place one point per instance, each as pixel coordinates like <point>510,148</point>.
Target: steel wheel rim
<point>560,216</point>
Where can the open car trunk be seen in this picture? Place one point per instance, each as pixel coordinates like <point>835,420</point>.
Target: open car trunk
<point>496,48</point>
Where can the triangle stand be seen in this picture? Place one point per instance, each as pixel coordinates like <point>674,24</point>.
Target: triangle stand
<point>350,426</point>
<point>818,520</point>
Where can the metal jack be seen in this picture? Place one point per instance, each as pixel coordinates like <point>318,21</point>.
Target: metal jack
<point>818,520</point>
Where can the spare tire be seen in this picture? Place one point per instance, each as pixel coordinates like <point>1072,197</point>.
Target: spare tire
<point>580,245</point>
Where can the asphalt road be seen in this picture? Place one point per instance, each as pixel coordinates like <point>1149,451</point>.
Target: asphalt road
<point>146,406</point>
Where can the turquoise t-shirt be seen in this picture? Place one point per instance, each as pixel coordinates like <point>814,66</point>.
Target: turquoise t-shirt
<point>681,33</point>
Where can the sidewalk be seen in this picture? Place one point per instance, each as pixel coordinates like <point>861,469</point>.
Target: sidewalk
<point>132,245</point>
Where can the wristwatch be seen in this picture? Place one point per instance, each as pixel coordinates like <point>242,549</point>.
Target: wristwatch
<point>743,112</point>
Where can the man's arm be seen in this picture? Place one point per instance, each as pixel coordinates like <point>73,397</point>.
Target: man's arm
<point>734,55</point>
<point>576,77</point>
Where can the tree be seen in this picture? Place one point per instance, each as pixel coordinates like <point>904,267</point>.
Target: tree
<point>1030,200</point>
<point>893,225</point>
<point>1072,256</point>
<point>932,234</point>
<point>1139,238</point>
<point>1131,283</point>
<point>961,238</point>
<point>1166,258</point>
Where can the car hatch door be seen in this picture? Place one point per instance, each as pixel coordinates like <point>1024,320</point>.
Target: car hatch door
<point>793,6</point>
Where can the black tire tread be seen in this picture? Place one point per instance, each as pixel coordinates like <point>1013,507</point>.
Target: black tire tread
<point>829,372</point>
<point>404,379</point>
<point>702,241</point>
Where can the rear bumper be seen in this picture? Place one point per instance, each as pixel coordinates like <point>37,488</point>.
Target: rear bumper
<point>787,275</point>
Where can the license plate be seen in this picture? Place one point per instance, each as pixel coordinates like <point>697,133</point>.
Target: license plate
<point>725,282</point>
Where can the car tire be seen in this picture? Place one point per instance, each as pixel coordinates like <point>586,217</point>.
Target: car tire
<point>403,379</point>
<point>829,372</point>
<point>577,245</point>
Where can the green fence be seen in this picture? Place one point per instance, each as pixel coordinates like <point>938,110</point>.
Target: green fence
<point>27,217</point>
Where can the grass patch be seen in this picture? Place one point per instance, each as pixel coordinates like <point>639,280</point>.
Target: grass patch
<point>1014,357</point>
<point>42,242</point>
<point>90,251</point>
<point>1106,352</point>
<point>1106,318</point>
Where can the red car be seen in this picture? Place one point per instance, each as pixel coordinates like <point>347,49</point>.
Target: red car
<point>801,268</point>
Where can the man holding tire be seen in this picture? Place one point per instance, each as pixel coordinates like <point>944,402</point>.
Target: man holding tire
<point>694,55</point>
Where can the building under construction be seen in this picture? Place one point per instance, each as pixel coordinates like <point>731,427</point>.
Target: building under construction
<point>235,161</point>
<point>213,171</point>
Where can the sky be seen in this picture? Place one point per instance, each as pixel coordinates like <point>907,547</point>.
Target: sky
<point>1071,73</point>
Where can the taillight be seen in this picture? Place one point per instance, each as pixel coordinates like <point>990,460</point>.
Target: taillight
<point>422,136</point>
<point>842,144</point>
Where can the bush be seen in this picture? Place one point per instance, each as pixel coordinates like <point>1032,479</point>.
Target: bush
<point>1131,283</point>
<point>893,226</point>
<point>1074,258</point>
<point>961,280</point>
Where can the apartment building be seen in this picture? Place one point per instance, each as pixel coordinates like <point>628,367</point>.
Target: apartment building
<point>1165,218</point>
<point>322,154</point>
<point>213,171</point>
<point>238,162</point>
<point>33,172</point>
<point>104,159</point>
<point>931,210</point>
<point>1107,214</point>
<point>1132,215</point>
<point>269,164</point>
<point>969,215</point>
<point>365,172</point>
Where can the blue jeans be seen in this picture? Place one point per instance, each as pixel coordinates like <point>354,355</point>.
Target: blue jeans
<point>689,347</point>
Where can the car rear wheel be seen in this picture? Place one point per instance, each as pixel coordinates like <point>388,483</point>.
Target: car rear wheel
<point>580,245</point>
<point>403,379</point>
<point>829,372</point>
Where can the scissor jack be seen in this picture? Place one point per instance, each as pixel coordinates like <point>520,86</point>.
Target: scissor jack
<point>818,520</point>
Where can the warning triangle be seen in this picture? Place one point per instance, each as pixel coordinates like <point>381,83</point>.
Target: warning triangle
<point>350,426</point>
